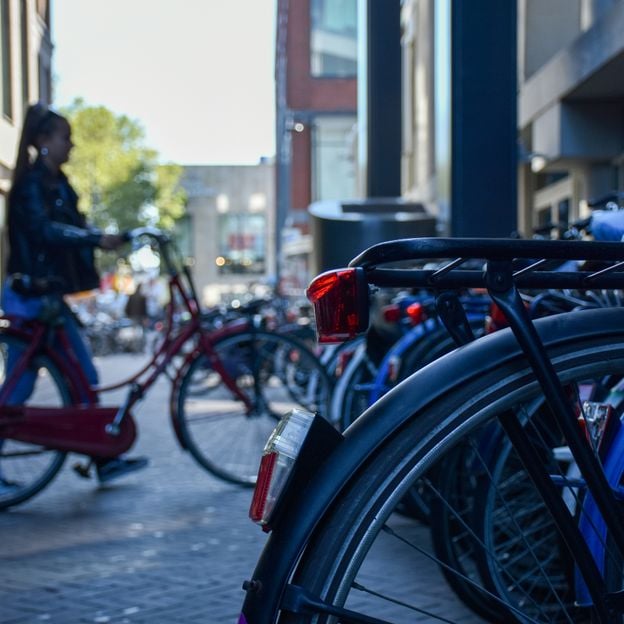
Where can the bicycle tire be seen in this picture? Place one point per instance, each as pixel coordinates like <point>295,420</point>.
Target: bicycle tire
<point>220,433</point>
<point>354,399</point>
<point>26,469</point>
<point>335,557</point>
<point>433,345</point>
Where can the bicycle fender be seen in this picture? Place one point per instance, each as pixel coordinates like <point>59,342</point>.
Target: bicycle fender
<point>305,508</point>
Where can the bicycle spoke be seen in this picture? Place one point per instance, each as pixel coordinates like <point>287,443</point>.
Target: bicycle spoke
<point>400,603</point>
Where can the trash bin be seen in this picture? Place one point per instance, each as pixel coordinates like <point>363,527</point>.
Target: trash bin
<point>342,229</point>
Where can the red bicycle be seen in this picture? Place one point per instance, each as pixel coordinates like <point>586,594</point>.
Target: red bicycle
<point>229,386</point>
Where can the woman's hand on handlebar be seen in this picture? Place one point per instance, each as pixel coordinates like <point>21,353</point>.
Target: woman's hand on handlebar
<point>111,241</point>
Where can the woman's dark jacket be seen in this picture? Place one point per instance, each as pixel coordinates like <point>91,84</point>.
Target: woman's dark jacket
<point>48,238</point>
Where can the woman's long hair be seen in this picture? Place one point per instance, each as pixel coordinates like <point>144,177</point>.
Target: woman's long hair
<point>39,122</point>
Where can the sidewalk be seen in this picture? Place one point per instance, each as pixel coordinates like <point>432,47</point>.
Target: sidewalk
<point>169,544</point>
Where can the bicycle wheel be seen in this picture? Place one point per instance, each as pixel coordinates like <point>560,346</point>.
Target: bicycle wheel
<point>350,559</point>
<point>417,501</point>
<point>355,396</point>
<point>508,512</point>
<point>25,469</point>
<point>452,517</point>
<point>277,373</point>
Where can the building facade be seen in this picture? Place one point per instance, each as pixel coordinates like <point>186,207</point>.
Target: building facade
<point>229,227</point>
<point>26,57</point>
<point>570,104</point>
<point>316,123</point>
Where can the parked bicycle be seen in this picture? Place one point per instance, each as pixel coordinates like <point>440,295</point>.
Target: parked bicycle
<point>422,339</point>
<point>229,386</point>
<point>543,520</point>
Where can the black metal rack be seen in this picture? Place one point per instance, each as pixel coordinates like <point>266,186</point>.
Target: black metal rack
<point>537,273</point>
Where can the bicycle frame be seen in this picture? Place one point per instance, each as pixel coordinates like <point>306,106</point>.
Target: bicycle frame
<point>304,508</point>
<point>112,429</point>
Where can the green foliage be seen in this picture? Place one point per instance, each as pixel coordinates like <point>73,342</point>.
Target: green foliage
<point>169,193</point>
<point>118,179</point>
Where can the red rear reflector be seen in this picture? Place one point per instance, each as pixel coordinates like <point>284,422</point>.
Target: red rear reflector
<point>340,300</point>
<point>415,313</point>
<point>392,313</point>
<point>265,472</point>
<point>278,460</point>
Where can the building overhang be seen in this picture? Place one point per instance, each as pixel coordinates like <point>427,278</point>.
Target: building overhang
<point>587,130</point>
<point>590,68</point>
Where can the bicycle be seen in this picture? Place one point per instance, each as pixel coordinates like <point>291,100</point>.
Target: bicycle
<point>422,342</point>
<point>458,475</point>
<point>543,385</point>
<point>229,386</point>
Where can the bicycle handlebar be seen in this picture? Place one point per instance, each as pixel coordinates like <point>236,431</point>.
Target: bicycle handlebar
<point>152,232</point>
<point>168,252</point>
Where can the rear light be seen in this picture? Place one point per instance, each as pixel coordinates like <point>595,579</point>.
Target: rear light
<point>391,313</point>
<point>343,359</point>
<point>277,461</point>
<point>299,444</point>
<point>495,320</point>
<point>415,313</point>
<point>340,300</point>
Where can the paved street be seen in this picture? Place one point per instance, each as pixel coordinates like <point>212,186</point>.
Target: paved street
<point>168,544</point>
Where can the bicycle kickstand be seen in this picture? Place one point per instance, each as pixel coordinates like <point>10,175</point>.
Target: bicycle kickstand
<point>83,469</point>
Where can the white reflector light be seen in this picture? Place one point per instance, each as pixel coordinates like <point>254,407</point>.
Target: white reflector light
<point>278,459</point>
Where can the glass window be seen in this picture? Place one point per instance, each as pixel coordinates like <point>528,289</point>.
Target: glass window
<point>333,38</point>
<point>5,54</point>
<point>242,244</point>
<point>333,157</point>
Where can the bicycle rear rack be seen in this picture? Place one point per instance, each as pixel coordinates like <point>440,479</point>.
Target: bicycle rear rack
<point>537,274</point>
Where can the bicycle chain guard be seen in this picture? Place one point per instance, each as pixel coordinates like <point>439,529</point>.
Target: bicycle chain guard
<point>70,429</point>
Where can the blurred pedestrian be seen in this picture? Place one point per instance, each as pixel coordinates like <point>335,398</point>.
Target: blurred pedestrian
<point>136,306</point>
<point>51,247</point>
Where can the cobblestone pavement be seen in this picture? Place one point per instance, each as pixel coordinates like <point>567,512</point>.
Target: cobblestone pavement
<point>168,544</point>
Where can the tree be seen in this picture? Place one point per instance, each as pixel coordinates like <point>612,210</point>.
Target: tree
<point>118,179</point>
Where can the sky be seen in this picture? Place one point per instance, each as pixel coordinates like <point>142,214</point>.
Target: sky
<point>198,75</point>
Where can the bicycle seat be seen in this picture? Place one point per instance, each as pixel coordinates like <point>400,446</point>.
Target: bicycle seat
<point>607,225</point>
<point>254,306</point>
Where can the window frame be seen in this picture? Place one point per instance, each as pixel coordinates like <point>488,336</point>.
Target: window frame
<point>6,88</point>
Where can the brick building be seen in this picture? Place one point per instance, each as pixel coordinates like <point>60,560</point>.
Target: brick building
<point>316,105</point>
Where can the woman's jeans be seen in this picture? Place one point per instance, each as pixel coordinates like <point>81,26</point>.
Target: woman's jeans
<point>16,305</point>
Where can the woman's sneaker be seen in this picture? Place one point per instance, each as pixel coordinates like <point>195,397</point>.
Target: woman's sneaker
<point>110,469</point>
